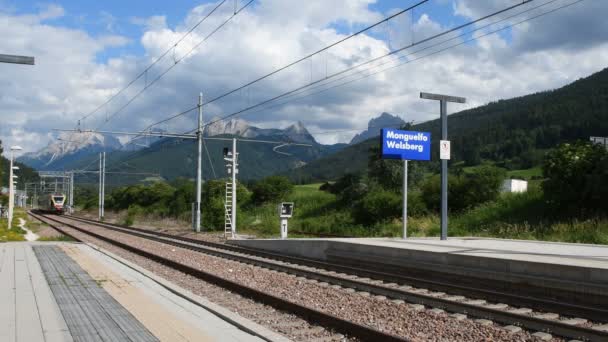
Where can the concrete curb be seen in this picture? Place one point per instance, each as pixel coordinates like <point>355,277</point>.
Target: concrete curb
<point>223,313</point>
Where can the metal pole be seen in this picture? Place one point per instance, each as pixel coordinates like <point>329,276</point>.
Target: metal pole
<point>444,173</point>
<point>10,193</point>
<point>103,186</point>
<point>234,187</point>
<point>443,100</point>
<point>199,171</point>
<point>16,59</point>
<point>71,192</point>
<point>99,208</point>
<point>405,199</point>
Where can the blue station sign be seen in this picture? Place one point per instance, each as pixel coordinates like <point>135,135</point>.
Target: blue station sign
<point>403,145</point>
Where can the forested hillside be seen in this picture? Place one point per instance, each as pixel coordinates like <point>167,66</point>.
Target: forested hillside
<point>514,133</point>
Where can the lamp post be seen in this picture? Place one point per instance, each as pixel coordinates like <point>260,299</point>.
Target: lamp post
<point>11,189</point>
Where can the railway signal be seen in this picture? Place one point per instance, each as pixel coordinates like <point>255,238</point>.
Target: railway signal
<point>285,213</point>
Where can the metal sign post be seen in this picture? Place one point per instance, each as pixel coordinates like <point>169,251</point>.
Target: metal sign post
<point>405,145</point>
<point>405,199</point>
<point>443,100</point>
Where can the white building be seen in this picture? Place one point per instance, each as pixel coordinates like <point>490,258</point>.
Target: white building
<point>514,185</point>
<point>600,141</point>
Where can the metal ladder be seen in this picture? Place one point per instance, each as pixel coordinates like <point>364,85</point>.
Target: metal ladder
<point>228,211</point>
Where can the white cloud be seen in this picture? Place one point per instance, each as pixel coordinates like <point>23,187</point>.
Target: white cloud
<point>68,81</point>
<point>51,11</point>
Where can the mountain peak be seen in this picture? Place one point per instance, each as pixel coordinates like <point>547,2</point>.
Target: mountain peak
<point>234,126</point>
<point>298,127</point>
<point>68,145</point>
<point>374,126</point>
<point>298,133</point>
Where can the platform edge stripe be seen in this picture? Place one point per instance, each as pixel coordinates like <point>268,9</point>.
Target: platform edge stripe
<point>223,313</point>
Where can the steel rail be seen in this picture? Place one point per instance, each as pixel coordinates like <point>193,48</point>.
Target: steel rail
<point>351,328</point>
<point>532,300</point>
<point>502,316</point>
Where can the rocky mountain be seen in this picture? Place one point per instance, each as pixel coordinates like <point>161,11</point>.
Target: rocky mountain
<point>152,153</point>
<point>67,148</point>
<point>375,125</point>
<point>238,127</point>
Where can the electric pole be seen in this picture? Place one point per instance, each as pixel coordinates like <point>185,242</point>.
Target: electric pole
<point>103,186</point>
<point>99,193</point>
<point>199,171</point>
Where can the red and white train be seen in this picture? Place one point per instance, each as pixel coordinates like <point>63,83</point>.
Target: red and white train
<point>52,204</point>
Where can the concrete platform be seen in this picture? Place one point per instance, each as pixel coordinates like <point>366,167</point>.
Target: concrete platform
<point>28,311</point>
<point>72,292</point>
<point>580,270</point>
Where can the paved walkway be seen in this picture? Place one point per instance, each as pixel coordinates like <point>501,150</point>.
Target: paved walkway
<point>28,311</point>
<point>66,292</point>
<point>30,236</point>
<point>90,313</point>
<point>168,316</point>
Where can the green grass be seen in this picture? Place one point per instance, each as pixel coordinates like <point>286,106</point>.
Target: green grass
<point>526,174</point>
<point>512,216</point>
<point>527,216</point>
<point>16,233</point>
<point>315,212</point>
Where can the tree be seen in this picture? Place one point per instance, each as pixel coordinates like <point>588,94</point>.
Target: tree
<point>577,177</point>
<point>377,206</point>
<point>273,188</point>
<point>465,190</point>
<point>389,173</point>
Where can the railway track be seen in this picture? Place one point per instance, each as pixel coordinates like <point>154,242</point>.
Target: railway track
<point>352,329</point>
<point>398,288</point>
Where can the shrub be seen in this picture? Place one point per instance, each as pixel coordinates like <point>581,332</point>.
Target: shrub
<point>378,206</point>
<point>577,177</point>
<point>466,190</point>
<point>269,189</point>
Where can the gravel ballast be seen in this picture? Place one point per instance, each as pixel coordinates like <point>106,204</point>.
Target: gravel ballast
<point>395,317</point>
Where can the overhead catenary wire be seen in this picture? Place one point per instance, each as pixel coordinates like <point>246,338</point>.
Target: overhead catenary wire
<point>430,54</point>
<point>423,49</point>
<point>329,80</point>
<point>391,53</point>
<point>388,68</point>
<point>340,41</point>
<point>144,73</point>
<point>176,62</point>
<point>325,48</point>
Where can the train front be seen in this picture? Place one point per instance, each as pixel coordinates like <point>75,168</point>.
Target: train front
<point>57,202</point>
